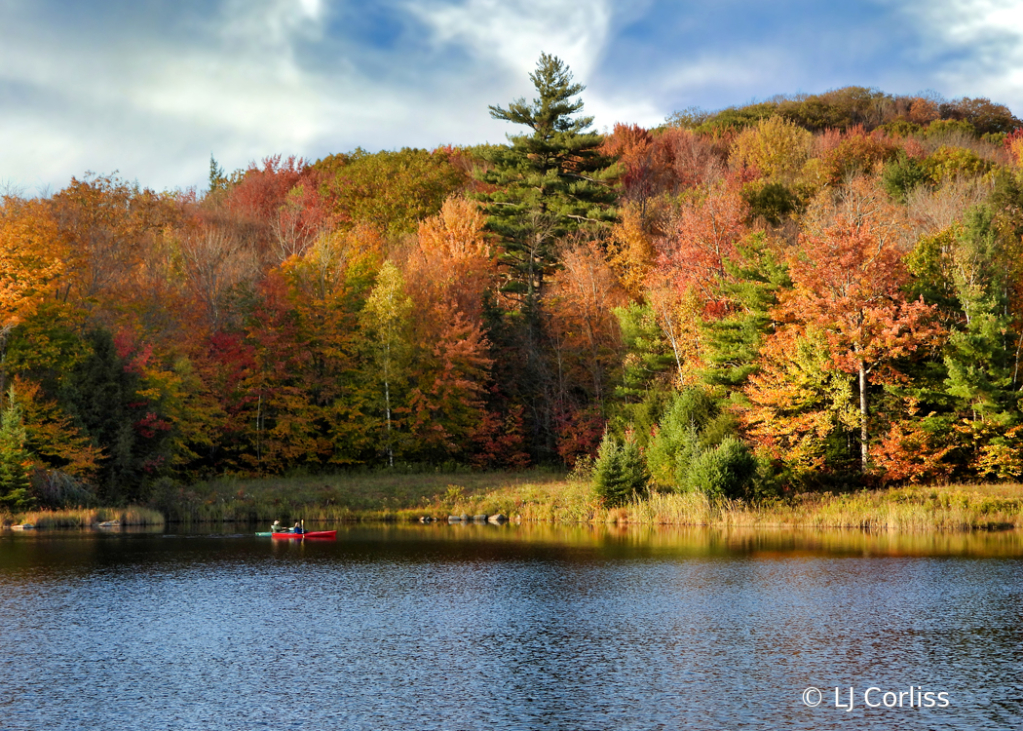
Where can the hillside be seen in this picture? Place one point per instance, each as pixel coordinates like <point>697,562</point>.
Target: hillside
<point>792,294</point>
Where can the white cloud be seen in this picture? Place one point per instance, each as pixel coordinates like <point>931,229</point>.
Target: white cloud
<point>740,68</point>
<point>268,30</point>
<point>607,111</point>
<point>247,82</point>
<point>512,33</point>
<point>977,46</point>
<point>965,22</point>
<point>724,77</point>
<point>152,96</point>
<point>155,108</point>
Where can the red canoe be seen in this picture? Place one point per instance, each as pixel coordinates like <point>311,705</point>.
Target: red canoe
<point>328,534</point>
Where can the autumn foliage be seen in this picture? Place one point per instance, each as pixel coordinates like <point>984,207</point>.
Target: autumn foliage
<point>837,275</point>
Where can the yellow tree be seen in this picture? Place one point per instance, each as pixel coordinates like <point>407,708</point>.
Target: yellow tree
<point>29,263</point>
<point>776,147</point>
<point>678,316</point>
<point>631,252</point>
<point>798,400</point>
<point>1014,146</point>
<point>386,321</point>
<point>108,228</point>
<point>52,436</point>
<point>327,283</point>
<point>454,264</point>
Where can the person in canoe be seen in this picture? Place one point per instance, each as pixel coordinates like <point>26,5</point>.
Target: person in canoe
<point>277,527</point>
<point>298,528</point>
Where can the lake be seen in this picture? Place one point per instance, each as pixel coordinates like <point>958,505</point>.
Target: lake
<point>511,627</point>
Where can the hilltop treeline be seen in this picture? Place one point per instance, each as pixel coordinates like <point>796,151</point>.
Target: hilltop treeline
<point>795,292</point>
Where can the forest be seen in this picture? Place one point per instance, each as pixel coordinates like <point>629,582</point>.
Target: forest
<point>795,294</point>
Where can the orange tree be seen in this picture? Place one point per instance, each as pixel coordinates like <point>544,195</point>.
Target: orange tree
<point>848,288</point>
<point>29,262</point>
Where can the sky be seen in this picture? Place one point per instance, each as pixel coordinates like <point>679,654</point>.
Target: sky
<point>150,89</point>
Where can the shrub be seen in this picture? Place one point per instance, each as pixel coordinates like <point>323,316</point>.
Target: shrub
<point>727,471</point>
<point>855,152</point>
<point>620,472</point>
<point>945,127</point>
<point>736,118</point>
<point>901,175</point>
<point>1014,145</point>
<point>677,439</point>
<point>776,147</point>
<point>774,202</point>
<point>166,495</point>
<point>901,128</point>
<point>951,162</point>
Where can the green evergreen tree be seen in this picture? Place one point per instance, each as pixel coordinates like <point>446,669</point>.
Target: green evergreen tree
<point>901,176</point>
<point>774,202</point>
<point>102,395</point>
<point>218,180</point>
<point>649,362</point>
<point>678,438</point>
<point>550,182</point>
<point>756,278</point>
<point>981,352</point>
<point>620,472</point>
<point>547,184</point>
<point>971,391</point>
<point>15,459</point>
<point>647,369</point>
<point>726,471</point>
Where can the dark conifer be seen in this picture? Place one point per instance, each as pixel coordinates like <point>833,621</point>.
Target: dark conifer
<point>549,183</point>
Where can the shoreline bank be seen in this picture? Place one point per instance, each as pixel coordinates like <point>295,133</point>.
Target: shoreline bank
<point>547,497</point>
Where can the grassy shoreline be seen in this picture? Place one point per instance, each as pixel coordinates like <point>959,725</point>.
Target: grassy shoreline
<point>908,510</point>
<point>548,496</point>
<point>132,515</point>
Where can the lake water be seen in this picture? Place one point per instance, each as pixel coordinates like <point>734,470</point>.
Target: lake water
<point>512,627</point>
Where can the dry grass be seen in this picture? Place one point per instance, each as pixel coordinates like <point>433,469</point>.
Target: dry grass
<point>383,495</point>
<point>87,517</point>
<point>905,510</point>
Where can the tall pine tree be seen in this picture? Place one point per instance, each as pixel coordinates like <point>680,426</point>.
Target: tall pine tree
<point>549,182</point>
